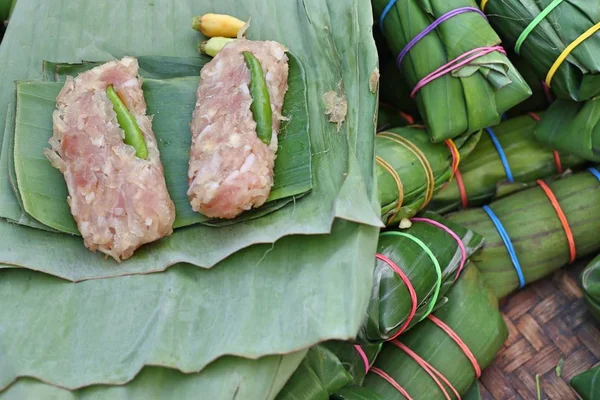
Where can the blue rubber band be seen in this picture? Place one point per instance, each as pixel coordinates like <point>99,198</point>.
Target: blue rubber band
<point>507,243</point>
<point>385,12</point>
<point>503,158</point>
<point>595,172</point>
<point>504,117</point>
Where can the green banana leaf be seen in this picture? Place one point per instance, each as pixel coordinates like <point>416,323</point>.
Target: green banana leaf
<point>325,370</point>
<point>474,393</point>
<point>578,78</point>
<point>267,299</point>
<point>590,281</point>
<point>356,393</point>
<point>483,173</point>
<point>343,162</point>
<point>535,230</point>
<point>541,97</point>
<point>225,379</point>
<point>390,303</point>
<point>587,384</point>
<point>473,97</point>
<point>43,189</point>
<point>472,313</point>
<point>410,171</point>
<point>572,127</point>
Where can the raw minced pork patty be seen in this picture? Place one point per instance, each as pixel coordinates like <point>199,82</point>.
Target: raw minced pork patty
<point>231,169</point>
<point>118,200</point>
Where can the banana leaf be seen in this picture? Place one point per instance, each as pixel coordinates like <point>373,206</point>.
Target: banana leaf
<point>342,162</point>
<point>541,97</point>
<point>483,173</point>
<point>587,384</point>
<point>228,378</point>
<point>408,198</point>
<point>43,189</point>
<point>326,369</point>
<point>389,117</point>
<point>578,78</point>
<point>472,313</point>
<point>590,281</point>
<point>465,100</point>
<point>534,228</point>
<point>267,299</point>
<point>356,393</point>
<point>573,127</point>
<point>390,304</point>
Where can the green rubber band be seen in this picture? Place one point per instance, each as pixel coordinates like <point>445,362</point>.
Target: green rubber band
<point>535,23</point>
<point>436,263</point>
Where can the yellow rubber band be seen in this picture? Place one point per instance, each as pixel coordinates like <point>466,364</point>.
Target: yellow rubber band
<point>563,56</point>
<point>385,165</point>
<point>410,146</point>
<point>483,4</point>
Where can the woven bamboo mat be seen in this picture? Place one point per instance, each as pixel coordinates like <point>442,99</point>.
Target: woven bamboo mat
<point>548,321</point>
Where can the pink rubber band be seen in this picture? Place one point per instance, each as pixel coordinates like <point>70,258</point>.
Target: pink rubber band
<point>463,346</point>
<point>461,246</point>
<point>364,357</point>
<point>411,291</point>
<point>392,382</point>
<point>455,64</point>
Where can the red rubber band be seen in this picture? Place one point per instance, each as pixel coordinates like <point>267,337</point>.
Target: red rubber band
<point>534,116</point>
<point>559,167</point>
<point>463,346</point>
<point>563,219</point>
<point>364,357</point>
<point>411,291</point>
<point>407,117</point>
<point>431,371</point>
<point>461,189</point>
<point>392,382</point>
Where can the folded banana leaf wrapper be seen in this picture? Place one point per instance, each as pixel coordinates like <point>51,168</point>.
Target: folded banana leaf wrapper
<point>484,176</point>
<point>470,317</point>
<point>573,127</point>
<point>391,309</point>
<point>541,95</point>
<point>541,30</point>
<point>411,169</point>
<point>132,330</point>
<point>587,384</point>
<point>590,280</point>
<point>480,83</point>
<point>535,231</point>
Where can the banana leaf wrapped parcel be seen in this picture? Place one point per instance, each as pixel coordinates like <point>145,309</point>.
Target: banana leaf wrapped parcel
<point>532,233</point>
<point>587,384</point>
<point>507,158</point>
<point>557,38</point>
<point>453,62</point>
<point>411,169</point>
<point>590,281</point>
<point>442,356</point>
<point>573,127</point>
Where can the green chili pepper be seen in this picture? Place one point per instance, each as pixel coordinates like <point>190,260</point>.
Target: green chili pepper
<point>133,134</point>
<point>261,102</point>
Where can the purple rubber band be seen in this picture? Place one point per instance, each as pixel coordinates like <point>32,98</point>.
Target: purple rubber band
<point>431,27</point>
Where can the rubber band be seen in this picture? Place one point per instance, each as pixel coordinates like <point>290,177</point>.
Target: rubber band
<point>483,4</point>
<point>556,154</point>
<point>416,151</point>
<point>563,56</point>
<point>547,92</point>
<point>461,246</point>
<point>385,12</point>
<point>364,357</point>
<point>455,156</point>
<point>436,264</point>
<point>431,371</point>
<point>461,189</point>
<point>454,64</point>
<point>407,117</point>
<point>385,165</point>
<point>563,219</point>
<point>532,25</point>
<point>416,126</point>
<point>508,243</point>
<point>463,346</point>
<point>411,291</point>
<point>500,151</point>
<point>503,117</point>
<point>431,27</point>
<point>595,172</point>
<point>392,382</point>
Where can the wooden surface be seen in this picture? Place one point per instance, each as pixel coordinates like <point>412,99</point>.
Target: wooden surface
<point>548,321</point>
